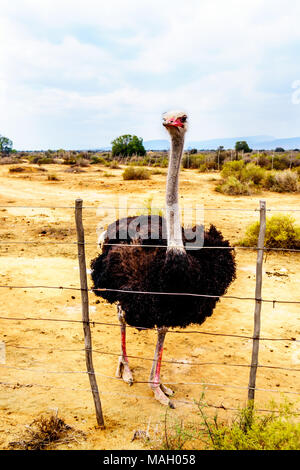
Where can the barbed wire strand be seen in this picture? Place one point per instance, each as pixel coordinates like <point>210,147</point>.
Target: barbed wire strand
<point>207,384</point>
<point>237,247</point>
<point>135,245</point>
<point>18,385</point>
<point>234,209</point>
<point>188,294</point>
<point>95,322</point>
<point>167,361</point>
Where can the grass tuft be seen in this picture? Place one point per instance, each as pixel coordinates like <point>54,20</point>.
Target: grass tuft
<point>132,173</point>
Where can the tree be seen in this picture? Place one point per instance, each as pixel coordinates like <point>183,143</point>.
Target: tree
<point>128,145</point>
<point>279,149</point>
<point>242,146</point>
<point>5,145</point>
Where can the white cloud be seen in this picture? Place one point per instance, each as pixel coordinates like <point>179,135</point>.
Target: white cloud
<point>216,59</point>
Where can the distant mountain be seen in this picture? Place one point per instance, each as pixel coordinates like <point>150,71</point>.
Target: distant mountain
<point>288,143</point>
<point>255,142</point>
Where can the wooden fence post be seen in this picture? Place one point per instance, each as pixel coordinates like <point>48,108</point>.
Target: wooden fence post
<point>257,311</point>
<point>85,312</point>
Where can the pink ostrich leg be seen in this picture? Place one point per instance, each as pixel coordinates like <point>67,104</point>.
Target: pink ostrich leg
<point>123,369</point>
<point>161,392</point>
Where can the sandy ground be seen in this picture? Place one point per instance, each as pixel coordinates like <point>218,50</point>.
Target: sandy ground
<point>44,365</point>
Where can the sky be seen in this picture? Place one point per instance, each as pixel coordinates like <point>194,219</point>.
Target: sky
<point>76,74</point>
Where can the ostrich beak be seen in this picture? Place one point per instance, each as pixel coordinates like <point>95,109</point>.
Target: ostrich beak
<point>173,123</point>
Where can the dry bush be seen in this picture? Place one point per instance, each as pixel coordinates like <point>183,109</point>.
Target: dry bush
<point>114,165</point>
<point>131,173</point>
<point>74,169</point>
<point>8,160</point>
<point>17,169</point>
<point>46,431</point>
<point>282,181</point>
<point>59,232</point>
<point>83,162</point>
<point>52,177</point>
<point>26,169</point>
<point>42,160</point>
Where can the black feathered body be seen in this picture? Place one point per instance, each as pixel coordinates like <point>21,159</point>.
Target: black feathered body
<point>146,269</point>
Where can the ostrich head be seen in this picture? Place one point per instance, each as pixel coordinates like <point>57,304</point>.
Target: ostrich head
<point>176,123</point>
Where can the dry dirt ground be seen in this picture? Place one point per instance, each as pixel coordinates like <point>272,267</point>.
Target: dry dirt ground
<point>44,366</point>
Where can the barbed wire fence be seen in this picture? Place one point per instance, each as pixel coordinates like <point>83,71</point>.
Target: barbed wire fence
<point>86,322</point>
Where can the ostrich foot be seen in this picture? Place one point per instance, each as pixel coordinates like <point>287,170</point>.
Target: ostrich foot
<point>161,395</point>
<point>123,371</point>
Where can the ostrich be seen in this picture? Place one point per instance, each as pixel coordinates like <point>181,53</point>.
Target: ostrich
<point>167,267</point>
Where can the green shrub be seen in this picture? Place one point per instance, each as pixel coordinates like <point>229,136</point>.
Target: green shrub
<point>233,169</point>
<point>164,163</point>
<point>132,173</point>
<point>243,172</point>
<point>253,431</point>
<point>203,168</point>
<point>278,429</point>
<point>42,160</point>
<point>281,162</point>
<point>234,187</point>
<point>252,173</point>
<point>269,180</point>
<point>253,177</point>
<point>193,161</point>
<point>297,171</point>
<point>137,163</point>
<point>95,159</point>
<point>263,160</point>
<point>68,160</point>
<point>281,232</point>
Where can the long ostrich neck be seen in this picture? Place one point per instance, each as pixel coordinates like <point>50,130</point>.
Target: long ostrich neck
<point>174,234</point>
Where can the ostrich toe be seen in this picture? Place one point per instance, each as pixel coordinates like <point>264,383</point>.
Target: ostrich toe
<point>167,390</point>
<point>123,371</point>
<point>161,396</point>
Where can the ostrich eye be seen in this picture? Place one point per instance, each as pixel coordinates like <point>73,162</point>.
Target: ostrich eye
<point>183,119</point>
